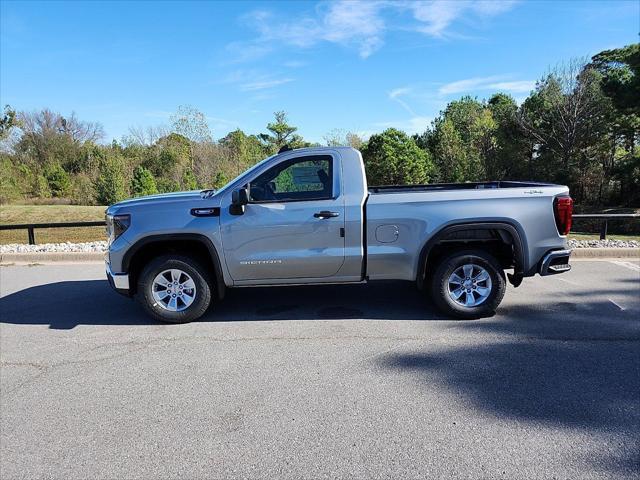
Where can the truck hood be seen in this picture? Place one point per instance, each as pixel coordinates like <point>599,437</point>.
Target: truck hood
<point>164,198</point>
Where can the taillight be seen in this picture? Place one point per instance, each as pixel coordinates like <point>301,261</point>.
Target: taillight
<point>563,211</point>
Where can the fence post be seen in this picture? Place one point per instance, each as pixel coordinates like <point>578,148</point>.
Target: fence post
<point>32,236</point>
<point>603,230</point>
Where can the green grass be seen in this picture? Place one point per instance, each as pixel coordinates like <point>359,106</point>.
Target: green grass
<point>12,214</point>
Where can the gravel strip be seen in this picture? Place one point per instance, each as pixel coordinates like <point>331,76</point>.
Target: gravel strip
<point>603,244</point>
<point>55,247</point>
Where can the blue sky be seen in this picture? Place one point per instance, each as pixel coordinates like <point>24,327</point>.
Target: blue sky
<point>347,65</point>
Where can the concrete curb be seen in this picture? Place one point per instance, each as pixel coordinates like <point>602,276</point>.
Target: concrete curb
<point>605,253</point>
<point>42,257</point>
<point>75,257</point>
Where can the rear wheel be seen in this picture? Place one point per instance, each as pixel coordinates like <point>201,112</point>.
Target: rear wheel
<point>174,289</point>
<point>468,284</point>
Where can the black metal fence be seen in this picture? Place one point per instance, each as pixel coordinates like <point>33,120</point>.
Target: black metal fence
<point>31,227</point>
<point>605,218</point>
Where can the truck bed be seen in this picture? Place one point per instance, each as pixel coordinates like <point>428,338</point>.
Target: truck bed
<point>455,186</point>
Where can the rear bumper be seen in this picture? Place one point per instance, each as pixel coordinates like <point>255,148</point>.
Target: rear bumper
<point>118,281</point>
<point>554,262</point>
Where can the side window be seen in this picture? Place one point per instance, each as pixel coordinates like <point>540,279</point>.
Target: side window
<point>302,178</point>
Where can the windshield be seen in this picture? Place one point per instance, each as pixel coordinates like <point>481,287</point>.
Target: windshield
<point>246,172</point>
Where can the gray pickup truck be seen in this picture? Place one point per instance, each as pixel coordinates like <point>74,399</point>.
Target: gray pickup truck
<point>306,216</point>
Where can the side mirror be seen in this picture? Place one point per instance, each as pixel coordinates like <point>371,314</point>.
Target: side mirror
<point>239,198</point>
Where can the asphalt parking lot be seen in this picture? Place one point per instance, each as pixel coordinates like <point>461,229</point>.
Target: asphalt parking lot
<point>364,381</point>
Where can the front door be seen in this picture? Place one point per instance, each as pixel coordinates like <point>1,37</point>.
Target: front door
<point>293,225</point>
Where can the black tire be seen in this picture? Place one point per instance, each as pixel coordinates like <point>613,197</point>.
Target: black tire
<point>439,285</point>
<point>199,275</point>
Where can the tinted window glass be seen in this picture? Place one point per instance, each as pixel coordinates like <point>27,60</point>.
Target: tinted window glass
<point>304,178</point>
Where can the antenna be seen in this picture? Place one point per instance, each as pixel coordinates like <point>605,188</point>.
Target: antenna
<point>285,148</point>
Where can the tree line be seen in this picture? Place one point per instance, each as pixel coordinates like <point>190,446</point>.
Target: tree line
<point>580,126</point>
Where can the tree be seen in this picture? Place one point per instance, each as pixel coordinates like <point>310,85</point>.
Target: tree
<point>189,181</point>
<point>620,70</point>
<point>219,180</point>
<point>243,150</point>
<point>82,190</point>
<point>139,136</point>
<point>568,119</point>
<point>342,138</point>
<point>281,134</point>
<point>393,158</point>
<point>8,120</point>
<point>462,141</point>
<point>473,123</point>
<point>12,184</point>
<point>142,182</point>
<point>57,179</point>
<point>48,137</point>
<point>169,157</point>
<point>80,131</point>
<point>509,157</point>
<point>111,183</point>
<point>448,150</point>
<point>191,123</point>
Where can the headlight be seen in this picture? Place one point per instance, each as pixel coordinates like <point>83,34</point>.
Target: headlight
<point>117,225</point>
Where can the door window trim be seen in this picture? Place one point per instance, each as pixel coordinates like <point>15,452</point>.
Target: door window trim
<point>301,158</point>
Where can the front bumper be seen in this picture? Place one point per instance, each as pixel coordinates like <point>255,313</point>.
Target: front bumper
<point>554,262</point>
<point>118,281</point>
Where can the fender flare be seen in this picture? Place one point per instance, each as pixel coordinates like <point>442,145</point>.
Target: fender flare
<point>168,237</point>
<point>518,244</point>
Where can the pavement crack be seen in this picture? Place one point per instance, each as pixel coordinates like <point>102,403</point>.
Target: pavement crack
<point>38,366</point>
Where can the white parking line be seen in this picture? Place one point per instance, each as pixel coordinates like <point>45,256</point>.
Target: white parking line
<point>570,282</point>
<point>616,304</point>
<point>629,265</point>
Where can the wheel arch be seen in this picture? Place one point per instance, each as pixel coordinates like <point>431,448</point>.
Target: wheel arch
<point>509,233</point>
<point>191,244</point>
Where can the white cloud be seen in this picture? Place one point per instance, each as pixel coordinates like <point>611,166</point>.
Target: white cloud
<point>264,84</point>
<point>397,92</point>
<point>436,17</point>
<point>496,82</point>
<point>395,95</point>
<point>518,87</point>
<point>246,52</point>
<point>361,25</point>
<point>255,80</point>
<point>354,23</point>
<point>467,85</point>
<point>351,23</point>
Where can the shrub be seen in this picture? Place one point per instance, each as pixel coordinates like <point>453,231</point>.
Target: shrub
<point>57,179</point>
<point>82,190</point>
<point>166,185</point>
<point>219,180</point>
<point>189,181</point>
<point>40,187</point>
<point>9,186</point>
<point>111,183</point>
<point>393,158</point>
<point>143,183</point>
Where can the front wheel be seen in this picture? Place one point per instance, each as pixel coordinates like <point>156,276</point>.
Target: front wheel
<point>468,284</point>
<point>174,289</point>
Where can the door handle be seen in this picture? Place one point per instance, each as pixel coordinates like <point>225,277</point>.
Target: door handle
<point>326,214</point>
